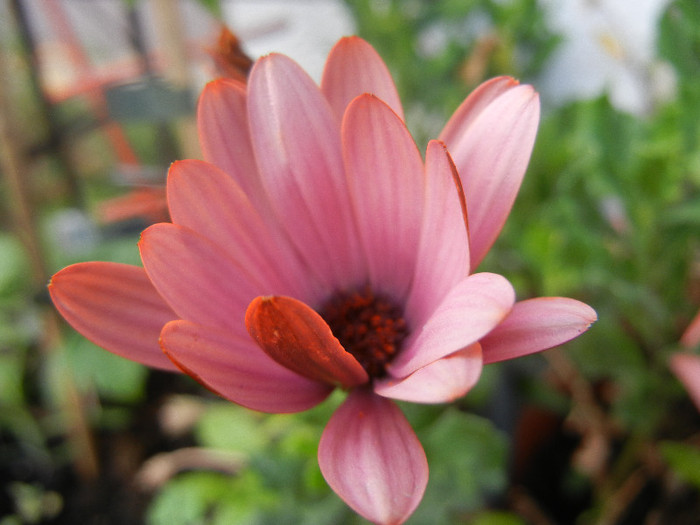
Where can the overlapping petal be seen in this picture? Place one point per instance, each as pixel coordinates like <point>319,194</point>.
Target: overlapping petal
<point>234,367</point>
<point>204,199</point>
<point>691,336</point>
<point>441,381</point>
<point>537,324</point>
<point>385,174</point>
<point>353,67</point>
<point>491,140</point>
<point>224,135</point>
<point>372,459</point>
<point>197,279</point>
<point>471,310</point>
<point>116,307</point>
<point>443,253</point>
<point>297,337</point>
<point>687,369</point>
<point>296,139</point>
<point>473,105</point>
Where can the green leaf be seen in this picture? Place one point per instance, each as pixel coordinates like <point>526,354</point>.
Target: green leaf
<point>13,265</point>
<point>467,457</point>
<point>11,372</point>
<point>497,518</point>
<point>683,459</point>
<point>227,426</point>
<point>115,378</point>
<point>196,498</point>
<point>679,36</point>
<point>214,7</point>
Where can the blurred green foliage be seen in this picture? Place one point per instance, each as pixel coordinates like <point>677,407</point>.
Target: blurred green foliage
<point>608,213</point>
<point>439,51</point>
<point>684,459</point>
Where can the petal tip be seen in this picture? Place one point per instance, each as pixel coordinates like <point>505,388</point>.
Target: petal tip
<point>372,459</point>
<point>535,325</point>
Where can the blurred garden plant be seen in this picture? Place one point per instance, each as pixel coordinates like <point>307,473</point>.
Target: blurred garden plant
<point>315,249</point>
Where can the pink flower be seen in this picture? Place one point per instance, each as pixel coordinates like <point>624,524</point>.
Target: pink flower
<point>686,366</point>
<point>315,249</point>
<point>691,336</point>
<point>687,369</point>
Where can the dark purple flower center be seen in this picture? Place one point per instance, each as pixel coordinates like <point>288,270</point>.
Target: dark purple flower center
<point>371,327</point>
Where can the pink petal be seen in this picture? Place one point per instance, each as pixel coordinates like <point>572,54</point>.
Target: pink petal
<point>235,368</point>
<point>206,200</point>
<point>353,67</point>
<point>691,336</point>
<point>196,278</point>
<point>372,459</point>
<point>116,307</point>
<point>385,171</point>
<point>224,135</point>
<point>299,339</point>
<point>491,140</point>
<point>470,311</point>
<point>443,255</point>
<point>537,324</point>
<point>474,104</point>
<point>441,381</point>
<point>687,369</point>
<point>296,138</point>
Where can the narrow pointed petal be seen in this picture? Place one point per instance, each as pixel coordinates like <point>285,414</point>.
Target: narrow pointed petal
<point>196,278</point>
<point>353,67</point>
<point>470,311</point>
<point>235,368</point>
<point>491,150</point>
<point>222,122</point>
<point>296,138</point>
<point>116,307</point>
<point>385,171</point>
<point>206,200</point>
<point>443,255</point>
<point>441,381</point>
<point>537,324</point>
<point>691,336</point>
<point>372,459</point>
<point>298,338</point>
<point>687,369</point>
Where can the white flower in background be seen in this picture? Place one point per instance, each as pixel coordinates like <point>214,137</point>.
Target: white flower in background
<point>304,31</point>
<point>608,46</point>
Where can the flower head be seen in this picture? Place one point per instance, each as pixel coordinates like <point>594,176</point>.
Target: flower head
<point>315,249</point>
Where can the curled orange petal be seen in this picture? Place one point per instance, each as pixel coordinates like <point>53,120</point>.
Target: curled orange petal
<point>297,337</point>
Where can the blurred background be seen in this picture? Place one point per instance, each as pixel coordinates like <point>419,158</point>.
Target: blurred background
<point>97,99</point>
